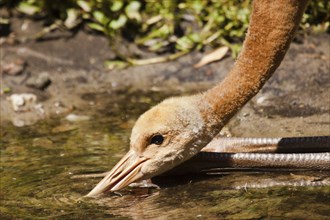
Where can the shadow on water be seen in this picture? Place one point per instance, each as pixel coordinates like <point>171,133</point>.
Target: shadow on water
<point>38,163</point>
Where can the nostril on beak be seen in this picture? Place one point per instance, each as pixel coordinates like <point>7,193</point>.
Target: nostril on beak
<point>115,175</point>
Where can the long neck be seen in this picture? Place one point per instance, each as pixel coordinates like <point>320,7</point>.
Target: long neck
<point>272,27</point>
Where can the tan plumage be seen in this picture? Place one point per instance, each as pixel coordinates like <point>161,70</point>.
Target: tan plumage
<point>178,128</point>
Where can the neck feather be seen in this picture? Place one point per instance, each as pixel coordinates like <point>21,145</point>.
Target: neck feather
<point>272,27</point>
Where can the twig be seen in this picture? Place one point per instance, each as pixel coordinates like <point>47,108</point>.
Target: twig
<point>47,30</point>
<point>154,60</point>
<point>92,175</point>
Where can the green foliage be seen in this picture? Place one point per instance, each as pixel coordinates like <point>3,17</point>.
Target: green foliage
<point>164,25</point>
<point>317,16</point>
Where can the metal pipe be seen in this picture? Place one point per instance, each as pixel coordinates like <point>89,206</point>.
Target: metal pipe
<point>264,153</point>
<point>313,144</point>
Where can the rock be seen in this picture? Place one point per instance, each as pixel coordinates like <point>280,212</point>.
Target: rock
<point>75,118</point>
<point>14,68</point>
<point>42,81</point>
<point>64,128</point>
<point>18,101</point>
<point>5,89</point>
<point>225,132</point>
<point>40,108</point>
<point>43,142</point>
<point>18,122</point>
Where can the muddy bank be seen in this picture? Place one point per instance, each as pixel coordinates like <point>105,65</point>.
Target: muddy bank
<point>63,69</point>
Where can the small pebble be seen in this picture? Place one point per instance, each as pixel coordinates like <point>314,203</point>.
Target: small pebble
<point>42,81</point>
<point>40,108</point>
<point>63,128</point>
<point>18,122</point>
<point>245,114</point>
<point>74,117</point>
<point>20,100</point>
<point>14,68</point>
<point>261,99</point>
<point>43,142</point>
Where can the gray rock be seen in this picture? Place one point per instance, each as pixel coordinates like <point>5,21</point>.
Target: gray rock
<point>41,81</point>
<point>14,68</point>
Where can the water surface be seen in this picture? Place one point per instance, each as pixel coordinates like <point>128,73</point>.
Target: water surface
<point>38,164</point>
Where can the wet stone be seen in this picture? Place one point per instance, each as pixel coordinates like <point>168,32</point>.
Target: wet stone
<point>14,68</point>
<point>23,101</point>
<point>41,81</point>
<point>17,122</point>
<point>76,118</point>
<point>64,128</point>
<point>43,141</point>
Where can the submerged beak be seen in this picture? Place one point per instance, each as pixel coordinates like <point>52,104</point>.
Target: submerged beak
<point>126,171</point>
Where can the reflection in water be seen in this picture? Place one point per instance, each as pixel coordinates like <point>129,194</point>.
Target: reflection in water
<point>38,163</point>
<point>218,196</point>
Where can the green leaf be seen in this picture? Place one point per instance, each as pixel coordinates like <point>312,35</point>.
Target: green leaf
<point>120,22</point>
<point>132,10</point>
<point>100,17</point>
<point>4,20</point>
<point>115,64</point>
<point>6,90</point>
<point>158,46</point>
<point>28,9</point>
<point>96,27</point>
<point>184,43</point>
<point>86,6</point>
<point>195,37</point>
<point>162,32</point>
<point>197,6</point>
<point>72,19</point>
<point>117,5</point>
<point>154,19</point>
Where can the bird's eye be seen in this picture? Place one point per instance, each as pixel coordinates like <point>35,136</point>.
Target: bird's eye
<point>157,139</point>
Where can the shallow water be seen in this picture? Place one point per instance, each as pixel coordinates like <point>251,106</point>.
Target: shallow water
<point>39,163</point>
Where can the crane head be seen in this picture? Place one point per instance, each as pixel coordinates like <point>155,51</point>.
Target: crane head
<point>162,138</point>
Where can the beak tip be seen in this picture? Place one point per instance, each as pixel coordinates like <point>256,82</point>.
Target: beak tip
<point>125,172</point>
<point>91,194</point>
<point>95,192</point>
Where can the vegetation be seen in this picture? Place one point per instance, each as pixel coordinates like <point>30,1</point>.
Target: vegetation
<point>175,26</point>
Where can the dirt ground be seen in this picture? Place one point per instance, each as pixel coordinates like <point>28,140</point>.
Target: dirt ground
<point>63,67</point>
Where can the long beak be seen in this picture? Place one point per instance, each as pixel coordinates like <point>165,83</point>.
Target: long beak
<point>126,171</point>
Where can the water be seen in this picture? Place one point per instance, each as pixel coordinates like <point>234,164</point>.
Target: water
<point>39,163</point>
